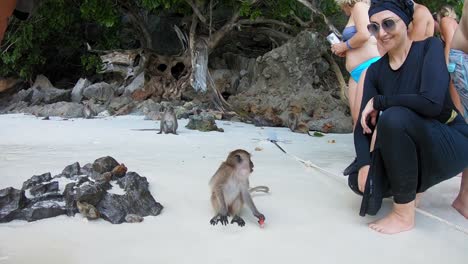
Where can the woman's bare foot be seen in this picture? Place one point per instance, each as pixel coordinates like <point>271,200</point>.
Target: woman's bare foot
<point>461,203</point>
<point>460,207</point>
<point>399,220</point>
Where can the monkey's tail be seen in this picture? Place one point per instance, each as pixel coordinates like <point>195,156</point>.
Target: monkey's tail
<point>260,188</point>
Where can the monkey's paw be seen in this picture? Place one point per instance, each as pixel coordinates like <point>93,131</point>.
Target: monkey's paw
<point>261,219</point>
<point>219,218</point>
<point>238,220</point>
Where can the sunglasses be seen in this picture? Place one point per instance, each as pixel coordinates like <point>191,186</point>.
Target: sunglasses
<point>387,24</point>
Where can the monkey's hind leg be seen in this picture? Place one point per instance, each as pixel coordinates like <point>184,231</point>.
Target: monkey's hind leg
<point>235,209</point>
<point>161,129</point>
<point>218,217</point>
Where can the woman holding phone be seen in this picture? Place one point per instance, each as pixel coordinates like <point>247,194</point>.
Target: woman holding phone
<point>360,50</point>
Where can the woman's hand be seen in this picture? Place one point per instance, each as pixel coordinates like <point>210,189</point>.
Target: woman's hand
<point>362,177</point>
<point>339,49</point>
<point>368,112</point>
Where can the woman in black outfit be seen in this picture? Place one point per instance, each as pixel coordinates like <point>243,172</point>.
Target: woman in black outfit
<point>422,140</point>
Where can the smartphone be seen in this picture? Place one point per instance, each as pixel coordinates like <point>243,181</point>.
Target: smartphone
<point>333,39</point>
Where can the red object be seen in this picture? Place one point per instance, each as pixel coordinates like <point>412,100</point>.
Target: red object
<point>261,222</point>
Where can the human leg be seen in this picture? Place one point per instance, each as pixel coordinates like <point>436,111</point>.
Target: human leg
<point>418,153</point>
<point>461,202</point>
<point>352,90</point>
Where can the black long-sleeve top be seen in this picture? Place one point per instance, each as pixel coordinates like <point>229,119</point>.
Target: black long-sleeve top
<point>420,84</point>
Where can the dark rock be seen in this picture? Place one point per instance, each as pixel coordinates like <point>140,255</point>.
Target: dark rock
<point>125,110</point>
<point>77,92</point>
<point>154,116</point>
<point>72,170</point>
<point>62,109</point>
<point>41,189</point>
<point>104,164</point>
<point>102,91</point>
<point>15,108</point>
<point>112,208</point>
<point>105,177</point>
<point>22,96</point>
<point>36,179</point>
<point>87,169</point>
<point>136,200</point>
<point>82,180</point>
<point>42,210</point>
<point>69,197</point>
<point>43,92</point>
<point>90,193</point>
<point>88,197</point>
<point>147,106</point>
<point>95,106</point>
<point>136,84</point>
<point>294,73</point>
<point>203,122</point>
<point>45,197</point>
<point>119,102</point>
<point>11,203</point>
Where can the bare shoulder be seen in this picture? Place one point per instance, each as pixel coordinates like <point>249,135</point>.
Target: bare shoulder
<point>222,174</point>
<point>359,14</point>
<point>422,12</point>
<point>361,6</point>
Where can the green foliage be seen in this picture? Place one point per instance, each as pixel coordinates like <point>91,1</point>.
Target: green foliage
<point>102,11</point>
<point>247,10</point>
<point>91,63</point>
<point>52,40</point>
<point>282,9</point>
<point>435,5</point>
<point>157,4</point>
<point>26,40</point>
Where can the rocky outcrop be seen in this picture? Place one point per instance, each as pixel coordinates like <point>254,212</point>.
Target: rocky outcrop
<point>203,122</point>
<point>87,190</point>
<point>294,74</point>
<point>77,92</point>
<point>12,201</point>
<point>102,92</point>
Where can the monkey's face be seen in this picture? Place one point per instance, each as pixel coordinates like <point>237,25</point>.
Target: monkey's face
<point>243,163</point>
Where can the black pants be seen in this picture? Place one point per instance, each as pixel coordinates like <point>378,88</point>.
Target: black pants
<point>419,152</point>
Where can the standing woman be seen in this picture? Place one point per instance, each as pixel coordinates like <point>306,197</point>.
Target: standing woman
<point>447,19</point>
<point>422,26</point>
<point>359,48</point>
<point>422,140</point>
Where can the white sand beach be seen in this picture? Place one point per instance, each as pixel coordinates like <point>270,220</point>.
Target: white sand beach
<point>311,216</point>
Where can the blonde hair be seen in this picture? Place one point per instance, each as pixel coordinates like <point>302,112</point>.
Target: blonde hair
<point>349,2</point>
<point>447,11</point>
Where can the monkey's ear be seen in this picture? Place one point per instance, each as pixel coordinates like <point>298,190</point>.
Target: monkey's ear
<point>238,158</point>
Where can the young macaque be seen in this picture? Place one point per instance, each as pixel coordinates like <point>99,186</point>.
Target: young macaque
<point>230,189</point>
<point>168,121</point>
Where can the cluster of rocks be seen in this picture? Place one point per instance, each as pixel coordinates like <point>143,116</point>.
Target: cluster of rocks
<point>261,91</point>
<point>89,190</point>
<point>297,75</point>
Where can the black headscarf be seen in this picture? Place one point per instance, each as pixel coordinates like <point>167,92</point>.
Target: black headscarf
<point>402,8</point>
